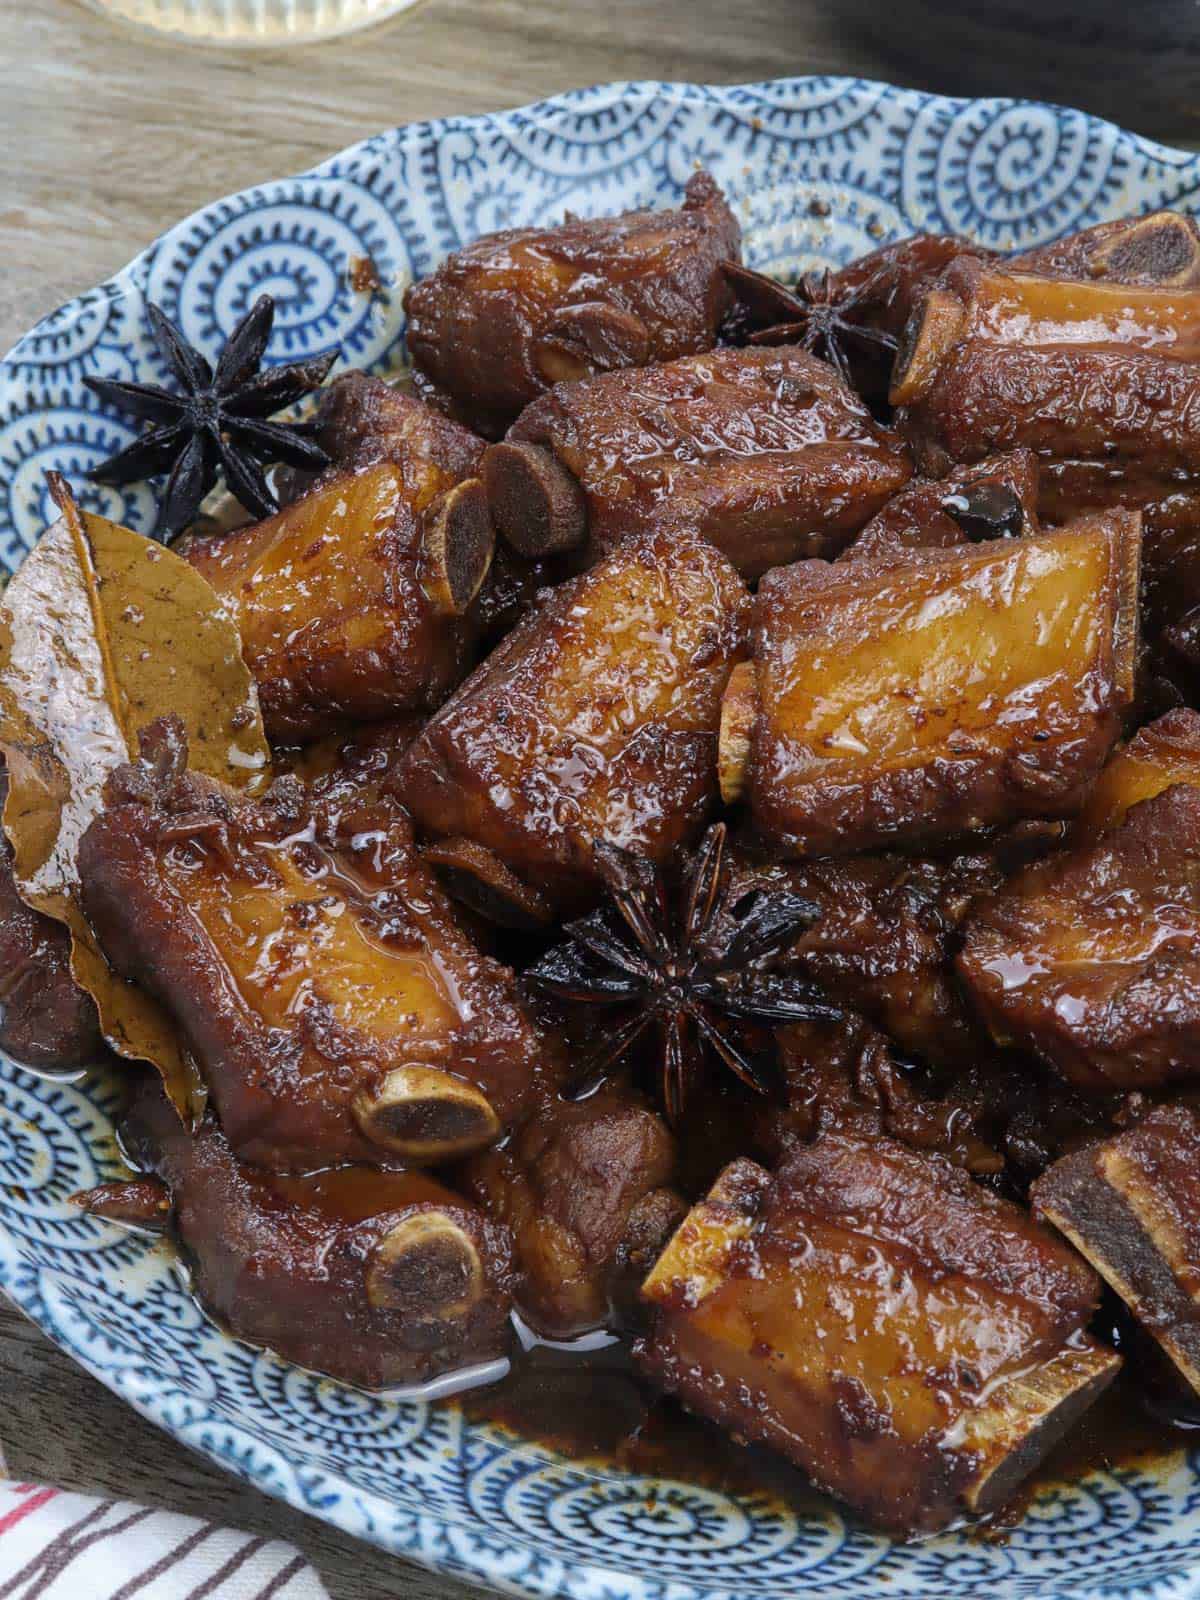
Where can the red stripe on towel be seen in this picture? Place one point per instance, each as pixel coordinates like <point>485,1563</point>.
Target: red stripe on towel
<point>26,1506</point>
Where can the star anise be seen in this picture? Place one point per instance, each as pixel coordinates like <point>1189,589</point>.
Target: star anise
<point>817,314</point>
<point>652,967</point>
<point>217,424</point>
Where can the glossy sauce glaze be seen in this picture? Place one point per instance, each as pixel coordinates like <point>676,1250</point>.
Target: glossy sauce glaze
<point>585,1399</point>
<point>595,718</point>
<point>586,296</point>
<point>765,452</point>
<point>588,1402</point>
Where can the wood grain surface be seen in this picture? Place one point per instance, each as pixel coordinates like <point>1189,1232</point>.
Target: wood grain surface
<point>110,137</point>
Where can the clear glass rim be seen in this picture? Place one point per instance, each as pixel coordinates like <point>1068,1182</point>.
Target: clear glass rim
<point>170,30</point>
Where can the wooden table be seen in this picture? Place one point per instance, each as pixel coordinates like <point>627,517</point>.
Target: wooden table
<point>109,138</point>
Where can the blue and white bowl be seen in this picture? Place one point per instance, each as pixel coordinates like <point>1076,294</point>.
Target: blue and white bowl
<point>820,170</point>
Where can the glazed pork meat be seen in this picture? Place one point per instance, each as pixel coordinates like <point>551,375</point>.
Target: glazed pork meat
<point>354,766</point>
<point>1160,248</point>
<point>727,893</point>
<point>991,499</point>
<point>1099,378</point>
<point>362,420</point>
<point>335,1007</point>
<point>846,1076</point>
<point>377,1278</point>
<point>353,601</point>
<point>999,1116</point>
<point>906,702</point>
<point>883,939</point>
<point>912,1342</point>
<point>767,453</point>
<point>503,319</point>
<point>586,1190</point>
<point>595,719</point>
<point>1091,959</point>
<point>1131,1206</point>
<point>1161,753</point>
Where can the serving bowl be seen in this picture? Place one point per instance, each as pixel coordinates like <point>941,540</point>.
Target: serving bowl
<point>820,170</point>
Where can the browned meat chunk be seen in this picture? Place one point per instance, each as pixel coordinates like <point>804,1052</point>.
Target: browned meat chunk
<point>357,765</point>
<point>351,602</point>
<point>377,1278</point>
<point>883,940</point>
<point>977,305</point>
<point>363,420</point>
<point>992,499</point>
<point>334,1006</point>
<point>845,1077</point>
<point>1092,959</point>
<point>767,453</point>
<point>511,589</point>
<point>1098,378</point>
<point>585,1189</point>
<point>46,1020</point>
<point>915,1344</point>
<point>904,702</point>
<point>1131,1206</point>
<point>1162,753</point>
<point>504,318</point>
<point>595,719</point>
<point>999,1117</point>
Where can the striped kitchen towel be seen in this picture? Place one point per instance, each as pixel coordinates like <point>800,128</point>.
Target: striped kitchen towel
<point>60,1546</point>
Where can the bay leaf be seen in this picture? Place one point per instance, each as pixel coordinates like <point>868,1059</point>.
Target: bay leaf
<point>102,631</point>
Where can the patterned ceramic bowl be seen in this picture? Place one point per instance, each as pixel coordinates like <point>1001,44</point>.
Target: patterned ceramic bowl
<point>821,170</point>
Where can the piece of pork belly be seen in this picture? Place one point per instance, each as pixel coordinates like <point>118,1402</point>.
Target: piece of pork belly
<point>906,702</point>
<point>351,603</point>
<point>1091,959</point>
<point>585,1188</point>
<point>374,1277</point>
<point>504,318</point>
<point>1131,1206</point>
<point>323,984</point>
<point>767,453</point>
<point>596,718</point>
<point>1097,377</point>
<point>1164,752</point>
<point>912,1342</point>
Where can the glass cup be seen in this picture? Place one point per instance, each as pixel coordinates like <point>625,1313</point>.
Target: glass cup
<point>251,22</point>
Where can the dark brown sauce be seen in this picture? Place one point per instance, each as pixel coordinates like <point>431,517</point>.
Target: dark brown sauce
<point>592,1407</point>
<point>588,1402</point>
<point>364,275</point>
